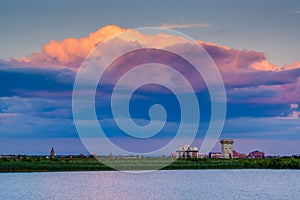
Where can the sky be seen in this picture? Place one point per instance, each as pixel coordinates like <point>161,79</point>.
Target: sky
<point>255,45</point>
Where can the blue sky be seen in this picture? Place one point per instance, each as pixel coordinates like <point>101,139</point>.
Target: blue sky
<point>262,83</point>
<point>271,27</point>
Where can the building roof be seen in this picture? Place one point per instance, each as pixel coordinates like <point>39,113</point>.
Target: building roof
<point>226,141</point>
<point>187,148</point>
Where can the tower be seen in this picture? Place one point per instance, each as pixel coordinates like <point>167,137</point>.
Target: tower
<point>227,151</point>
<point>52,153</point>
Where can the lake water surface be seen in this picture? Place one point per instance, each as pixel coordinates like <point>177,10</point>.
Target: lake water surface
<point>175,184</point>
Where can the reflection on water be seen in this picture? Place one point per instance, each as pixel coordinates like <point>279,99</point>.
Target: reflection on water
<point>181,184</point>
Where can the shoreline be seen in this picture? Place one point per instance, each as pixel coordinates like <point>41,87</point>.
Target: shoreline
<point>147,171</point>
<point>92,164</point>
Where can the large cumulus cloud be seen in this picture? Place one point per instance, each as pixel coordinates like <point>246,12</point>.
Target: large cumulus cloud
<point>245,72</point>
<point>39,86</point>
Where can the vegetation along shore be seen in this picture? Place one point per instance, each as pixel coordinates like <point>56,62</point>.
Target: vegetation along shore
<point>40,164</point>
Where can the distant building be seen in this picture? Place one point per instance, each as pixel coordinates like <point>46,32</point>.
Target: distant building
<point>187,152</point>
<point>256,154</point>
<point>52,153</point>
<point>227,151</point>
<point>201,155</point>
<point>215,155</point>
<point>8,156</point>
<point>238,154</point>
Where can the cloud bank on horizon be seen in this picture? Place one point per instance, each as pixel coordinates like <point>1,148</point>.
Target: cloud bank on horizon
<point>263,99</point>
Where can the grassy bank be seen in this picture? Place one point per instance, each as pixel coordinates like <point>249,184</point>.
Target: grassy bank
<point>211,163</point>
<point>91,164</point>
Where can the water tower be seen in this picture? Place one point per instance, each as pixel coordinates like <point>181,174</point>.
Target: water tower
<point>227,151</point>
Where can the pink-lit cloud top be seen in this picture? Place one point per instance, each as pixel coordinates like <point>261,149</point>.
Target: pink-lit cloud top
<point>70,52</point>
<point>263,99</point>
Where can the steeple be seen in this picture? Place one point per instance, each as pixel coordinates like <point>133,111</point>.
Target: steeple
<point>52,153</point>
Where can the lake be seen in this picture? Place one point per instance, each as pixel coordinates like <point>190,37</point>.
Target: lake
<point>174,184</point>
